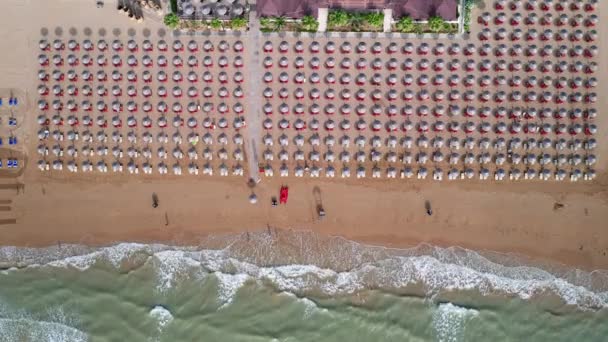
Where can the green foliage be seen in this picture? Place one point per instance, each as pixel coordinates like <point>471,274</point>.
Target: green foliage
<point>338,18</point>
<point>468,7</point>
<point>215,23</point>
<point>279,23</point>
<point>405,24</point>
<point>437,24</point>
<point>171,20</point>
<point>238,22</point>
<point>265,22</point>
<point>269,24</point>
<point>375,19</point>
<point>174,6</point>
<point>356,21</point>
<point>309,23</point>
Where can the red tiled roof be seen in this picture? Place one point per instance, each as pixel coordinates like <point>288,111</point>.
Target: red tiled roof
<point>417,9</point>
<point>423,9</point>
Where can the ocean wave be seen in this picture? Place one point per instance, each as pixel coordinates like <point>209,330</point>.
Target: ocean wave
<point>172,266</point>
<point>162,316</point>
<point>228,285</point>
<point>56,326</point>
<point>449,322</point>
<point>321,268</point>
<point>41,331</point>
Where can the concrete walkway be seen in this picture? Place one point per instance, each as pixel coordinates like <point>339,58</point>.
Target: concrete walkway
<point>322,19</point>
<point>254,105</point>
<point>388,20</point>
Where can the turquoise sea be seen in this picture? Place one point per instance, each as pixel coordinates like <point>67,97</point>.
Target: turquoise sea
<point>292,286</point>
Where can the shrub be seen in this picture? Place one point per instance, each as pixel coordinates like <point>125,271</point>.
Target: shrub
<point>309,23</point>
<point>375,19</point>
<point>215,23</point>
<point>405,24</point>
<point>238,22</point>
<point>279,23</point>
<point>171,20</point>
<point>356,21</point>
<point>265,22</point>
<point>337,18</point>
<point>436,24</point>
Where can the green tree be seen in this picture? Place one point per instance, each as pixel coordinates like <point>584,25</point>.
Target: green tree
<point>337,18</point>
<point>215,23</point>
<point>436,24</point>
<point>171,20</point>
<point>238,22</point>
<point>405,24</point>
<point>309,23</point>
<point>279,23</point>
<point>375,19</point>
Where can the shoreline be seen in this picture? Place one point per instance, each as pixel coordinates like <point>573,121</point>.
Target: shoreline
<point>382,214</point>
<point>444,274</point>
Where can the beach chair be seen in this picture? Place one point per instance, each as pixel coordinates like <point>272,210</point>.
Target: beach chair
<point>0,163</point>
<point>0,141</point>
<point>15,163</point>
<point>0,101</point>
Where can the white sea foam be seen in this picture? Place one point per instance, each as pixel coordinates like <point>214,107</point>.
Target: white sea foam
<point>57,326</point>
<point>228,286</point>
<point>449,322</point>
<point>171,266</point>
<point>310,307</point>
<point>162,316</point>
<point>40,331</point>
<point>437,270</point>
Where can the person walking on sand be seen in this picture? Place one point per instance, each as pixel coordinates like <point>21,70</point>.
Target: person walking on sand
<point>427,206</point>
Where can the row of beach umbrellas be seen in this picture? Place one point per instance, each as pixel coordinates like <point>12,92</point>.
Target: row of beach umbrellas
<point>468,127</point>
<point>429,141</point>
<point>437,174</point>
<point>146,152</point>
<point>132,76</point>
<point>133,91</point>
<point>547,5</point>
<point>527,19</point>
<point>575,70</point>
<point>423,110</point>
<point>133,45</point>
<point>527,36</point>
<point>132,121</point>
<point>426,140</point>
<point>344,156</point>
<point>148,61</point>
<point>133,167</point>
<point>86,136</point>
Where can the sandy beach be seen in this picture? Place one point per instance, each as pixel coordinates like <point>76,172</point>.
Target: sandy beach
<point>555,221</point>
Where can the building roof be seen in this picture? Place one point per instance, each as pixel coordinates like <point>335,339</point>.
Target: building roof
<point>423,9</point>
<point>416,9</point>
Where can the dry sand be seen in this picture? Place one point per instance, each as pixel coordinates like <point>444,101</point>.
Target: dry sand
<point>509,217</point>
